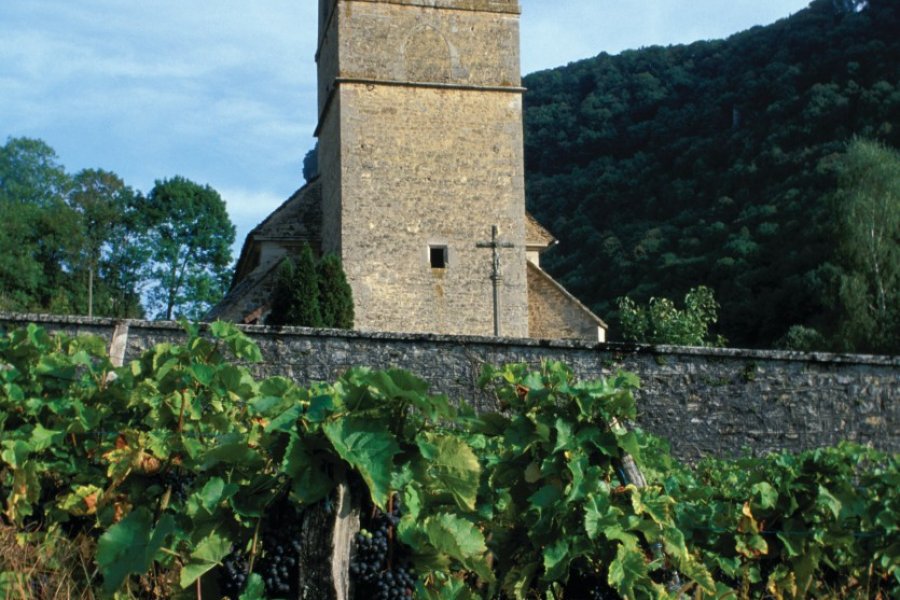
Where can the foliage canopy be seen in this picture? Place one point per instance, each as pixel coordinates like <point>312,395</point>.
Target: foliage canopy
<point>162,468</point>
<point>665,168</point>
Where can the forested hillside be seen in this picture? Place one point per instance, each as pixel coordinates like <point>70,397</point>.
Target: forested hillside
<point>730,164</point>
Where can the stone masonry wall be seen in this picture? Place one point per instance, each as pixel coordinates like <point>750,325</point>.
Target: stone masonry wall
<point>466,175</point>
<point>704,401</point>
<point>421,150</point>
<point>552,313</point>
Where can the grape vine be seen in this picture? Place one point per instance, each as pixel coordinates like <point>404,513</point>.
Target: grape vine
<point>207,470</point>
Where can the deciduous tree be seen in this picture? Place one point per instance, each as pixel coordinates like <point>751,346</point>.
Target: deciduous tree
<point>867,213</point>
<point>660,322</point>
<point>111,257</point>
<point>38,232</point>
<point>189,236</point>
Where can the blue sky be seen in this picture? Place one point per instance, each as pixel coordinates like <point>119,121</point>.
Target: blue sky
<point>223,91</point>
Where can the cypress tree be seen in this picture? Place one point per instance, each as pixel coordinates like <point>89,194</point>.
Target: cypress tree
<point>281,295</point>
<point>335,295</point>
<point>295,299</point>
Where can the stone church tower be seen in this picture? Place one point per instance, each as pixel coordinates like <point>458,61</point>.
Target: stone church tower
<point>421,153</point>
<point>421,188</point>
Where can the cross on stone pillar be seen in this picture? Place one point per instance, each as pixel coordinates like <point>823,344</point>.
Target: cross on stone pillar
<point>496,273</point>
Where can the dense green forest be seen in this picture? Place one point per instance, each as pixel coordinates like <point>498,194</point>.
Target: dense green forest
<point>751,165</point>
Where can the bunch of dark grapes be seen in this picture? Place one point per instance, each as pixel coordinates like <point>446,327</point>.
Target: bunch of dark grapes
<point>602,592</point>
<point>589,586</point>
<point>380,569</point>
<point>234,573</point>
<point>279,564</point>
<point>181,482</point>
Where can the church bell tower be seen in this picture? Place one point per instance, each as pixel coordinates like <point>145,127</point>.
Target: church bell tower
<point>421,160</point>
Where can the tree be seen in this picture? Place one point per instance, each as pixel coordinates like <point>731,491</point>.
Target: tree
<point>295,299</point>
<point>39,232</point>
<point>189,236</point>
<point>110,254</point>
<point>660,322</point>
<point>335,295</point>
<point>866,206</point>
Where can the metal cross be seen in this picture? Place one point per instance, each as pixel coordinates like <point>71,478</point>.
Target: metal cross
<point>496,273</point>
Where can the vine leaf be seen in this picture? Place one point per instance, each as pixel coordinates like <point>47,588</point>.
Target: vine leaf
<point>627,570</point>
<point>459,539</point>
<point>206,555</point>
<point>82,501</point>
<point>130,546</point>
<point>309,480</point>
<point>255,590</point>
<point>213,493</point>
<point>451,467</point>
<point>367,445</point>
<point>556,559</point>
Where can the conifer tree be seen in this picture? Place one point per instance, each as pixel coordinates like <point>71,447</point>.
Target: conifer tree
<point>335,295</point>
<point>295,300</point>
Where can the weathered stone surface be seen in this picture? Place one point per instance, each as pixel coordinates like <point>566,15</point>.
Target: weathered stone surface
<point>553,313</point>
<point>420,147</point>
<point>704,401</point>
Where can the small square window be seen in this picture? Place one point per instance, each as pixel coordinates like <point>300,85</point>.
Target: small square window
<point>437,256</point>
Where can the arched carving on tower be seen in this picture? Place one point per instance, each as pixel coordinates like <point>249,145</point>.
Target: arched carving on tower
<point>428,56</point>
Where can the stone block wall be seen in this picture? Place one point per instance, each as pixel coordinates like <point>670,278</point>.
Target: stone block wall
<point>421,151</point>
<point>704,401</point>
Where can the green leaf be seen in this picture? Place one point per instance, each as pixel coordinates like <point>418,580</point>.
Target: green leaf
<point>234,453</point>
<point>15,453</point>
<point>565,437</point>
<point>446,588</point>
<point>601,517</point>
<point>213,494</point>
<point>546,497</point>
<point>627,570</point>
<point>765,496</point>
<point>369,446</point>
<point>452,467</point>
<point>518,580</point>
<point>556,560</point>
<point>827,501</point>
<point>459,539</point>
<point>256,588</point>
<point>204,374</point>
<point>206,555</point>
<point>320,408</point>
<point>309,479</point>
<point>658,506</point>
<point>130,546</point>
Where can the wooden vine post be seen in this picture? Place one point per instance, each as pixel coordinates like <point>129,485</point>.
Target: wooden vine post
<point>328,537</point>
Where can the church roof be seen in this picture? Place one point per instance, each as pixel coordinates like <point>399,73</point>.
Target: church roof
<point>536,236</point>
<point>298,219</point>
<point>248,296</point>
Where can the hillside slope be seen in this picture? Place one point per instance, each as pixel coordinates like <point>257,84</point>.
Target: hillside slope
<point>666,168</point>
